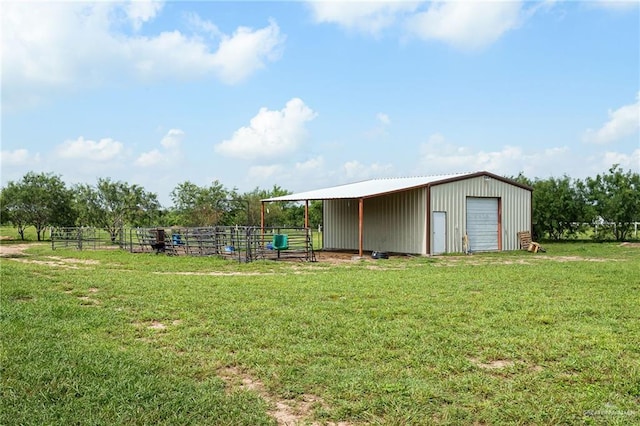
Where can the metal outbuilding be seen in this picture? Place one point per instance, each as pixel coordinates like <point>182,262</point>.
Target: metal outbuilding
<point>425,215</point>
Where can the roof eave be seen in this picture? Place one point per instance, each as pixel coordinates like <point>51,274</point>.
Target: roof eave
<point>409,188</point>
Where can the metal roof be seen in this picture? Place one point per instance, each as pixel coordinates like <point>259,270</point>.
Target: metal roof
<point>372,188</point>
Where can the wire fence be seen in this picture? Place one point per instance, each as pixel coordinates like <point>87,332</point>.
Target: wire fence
<point>242,243</point>
<point>86,238</point>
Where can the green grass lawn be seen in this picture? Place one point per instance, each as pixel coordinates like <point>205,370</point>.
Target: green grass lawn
<point>9,235</point>
<point>506,338</point>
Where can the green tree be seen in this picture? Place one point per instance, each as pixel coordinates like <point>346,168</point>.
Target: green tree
<point>315,213</point>
<point>294,214</point>
<point>40,200</point>
<point>201,206</point>
<point>12,210</point>
<point>276,213</point>
<point>254,205</point>
<point>112,205</point>
<point>559,207</point>
<point>615,200</point>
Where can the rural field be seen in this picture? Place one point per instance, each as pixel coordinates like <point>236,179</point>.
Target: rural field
<point>110,337</point>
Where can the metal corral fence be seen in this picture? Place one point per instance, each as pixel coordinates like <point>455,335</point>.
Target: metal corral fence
<point>86,238</point>
<point>612,226</point>
<point>243,243</point>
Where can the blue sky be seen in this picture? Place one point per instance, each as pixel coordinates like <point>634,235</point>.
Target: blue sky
<point>312,94</point>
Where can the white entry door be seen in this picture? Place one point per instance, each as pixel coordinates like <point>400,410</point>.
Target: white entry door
<point>439,227</point>
<point>482,223</point>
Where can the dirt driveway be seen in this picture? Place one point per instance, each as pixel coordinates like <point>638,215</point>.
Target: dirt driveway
<point>7,250</point>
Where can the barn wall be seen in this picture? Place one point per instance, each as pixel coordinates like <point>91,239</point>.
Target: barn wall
<point>396,222</point>
<point>392,223</point>
<point>340,224</point>
<point>515,202</point>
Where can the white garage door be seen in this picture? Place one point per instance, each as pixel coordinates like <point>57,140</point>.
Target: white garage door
<point>482,223</point>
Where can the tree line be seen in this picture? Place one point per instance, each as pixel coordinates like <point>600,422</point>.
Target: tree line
<point>563,208</point>
<point>43,200</point>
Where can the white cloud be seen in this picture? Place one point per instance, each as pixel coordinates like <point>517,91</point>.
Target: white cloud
<point>203,26</point>
<point>626,161</point>
<point>354,170</point>
<point>50,46</point>
<point>437,155</point>
<point>141,11</point>
<point>264,172</point>
<point>270,133</point>
<point>151,158</point>
<point>368,17</point>
<point>471,24</point>
<point>617,5</point>
<point>104,150</point>
<point>17,157</point>
<point>383,118</point>
<point>170,153</point>
<point>465,24</point>
<point>173,139</point>
<point>380,130</point>
<point>240,55</point>
<point>310,166</point>
<point>624,121</point>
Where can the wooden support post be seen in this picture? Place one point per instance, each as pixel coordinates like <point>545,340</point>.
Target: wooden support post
<point>428,218</point>
<point>499,224</point>
<point>306,213</point>
<point>262,224</point>
<point>360,226</point>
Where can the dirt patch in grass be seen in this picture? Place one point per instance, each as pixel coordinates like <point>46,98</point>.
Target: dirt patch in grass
<point>72,260</point>
<point>8,250</point>
<point>55,264</point>
<point>576,259</point>
<point>630,245</point>
<point>529,260</point>
<point>16,252</point>
<point>157,325</point>
<point>338,260</point>
<point>339,257</point>
<point>284,411</point>
<point>500,364</point>
<point>87,301</point>
<point>62,263</point>
<point>492,365</point>
<point>216,273</point>
<point>470,260</point>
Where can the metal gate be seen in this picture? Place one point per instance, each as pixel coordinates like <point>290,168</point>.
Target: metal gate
<point>482,223</point>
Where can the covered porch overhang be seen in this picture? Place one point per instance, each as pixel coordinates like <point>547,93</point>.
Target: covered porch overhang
<point>306,216</point>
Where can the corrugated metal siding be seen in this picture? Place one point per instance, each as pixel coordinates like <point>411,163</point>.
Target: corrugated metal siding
<point>392,223</point>
<point>340,228</point>
<point>451,197</point>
